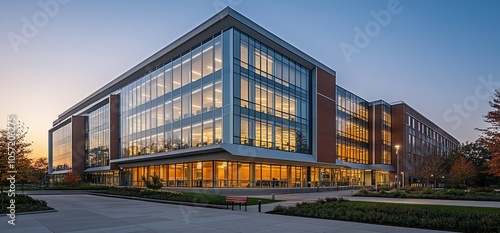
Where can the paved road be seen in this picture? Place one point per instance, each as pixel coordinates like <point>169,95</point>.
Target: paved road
<point>88,213</point>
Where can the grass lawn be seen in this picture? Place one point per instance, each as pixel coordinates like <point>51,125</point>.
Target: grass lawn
<point>448,218</point>
<point>23,203</point>
<point>178,196</point>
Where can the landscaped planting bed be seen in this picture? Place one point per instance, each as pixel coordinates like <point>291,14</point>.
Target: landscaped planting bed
<point>448,218</point>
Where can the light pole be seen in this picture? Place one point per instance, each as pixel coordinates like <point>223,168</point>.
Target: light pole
<point>397,167</point>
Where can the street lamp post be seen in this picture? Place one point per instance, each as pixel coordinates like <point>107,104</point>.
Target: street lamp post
<point>397,167</point>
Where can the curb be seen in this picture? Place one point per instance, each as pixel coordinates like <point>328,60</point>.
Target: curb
<point>32,212</point>
<point>160,201</point>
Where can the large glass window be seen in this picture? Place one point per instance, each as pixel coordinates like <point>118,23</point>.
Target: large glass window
<point>208,98</point>
<point>196,64</point>
<point>174,106</point>
<point>186,69</point>
<point>176,111</point>
<point>61,148</point>
<point>352,127</point>
<point>218,94</point>
<point>208,133</point>
<point>196,102</point>
<point>186,105</point>
<point>218,53</point>
<point>276,114</point>
<point>177,73</point>
<point>196,136</point>
<point>186,137</point>
<point>208,56</point>
<point>97,151</point>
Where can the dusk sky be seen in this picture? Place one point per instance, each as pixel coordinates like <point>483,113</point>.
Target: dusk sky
<point>440,57</point>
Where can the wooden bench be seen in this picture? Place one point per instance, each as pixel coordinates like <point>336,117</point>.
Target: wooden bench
<point>236,199</point>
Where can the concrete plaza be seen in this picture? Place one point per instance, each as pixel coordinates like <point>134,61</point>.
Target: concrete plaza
<point>88,213</point>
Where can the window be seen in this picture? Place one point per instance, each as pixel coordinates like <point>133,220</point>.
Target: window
<point>176,139</point>
<point>186,105</point>
<point>244,131</point>
<point>176,109</point>
<point>208,56</point>
<point>196,102</point>
<point>186,69</point>
<point>196,64</point>
<point>168,111</point>
<point>160,82</point>
<point>176,74</point>
<point>186,137</point>
<point>208,99</point>
<point>218,94</point>
<point>244,92</point>
<point>218,53</point>
<point>218,131</point>
<point>196,136</point>
<point>208,133</point>
<point>168,78</point>
<point>244,55</point>
<point>159,115</point>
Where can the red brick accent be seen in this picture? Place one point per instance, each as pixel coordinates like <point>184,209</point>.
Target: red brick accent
<point>326,115</point>
<point>78,144</point>
<point>114,129</point>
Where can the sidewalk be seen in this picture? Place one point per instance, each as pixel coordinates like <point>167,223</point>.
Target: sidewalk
<point>291,199</point>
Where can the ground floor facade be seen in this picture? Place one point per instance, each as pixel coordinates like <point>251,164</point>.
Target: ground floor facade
<point>233,174</point>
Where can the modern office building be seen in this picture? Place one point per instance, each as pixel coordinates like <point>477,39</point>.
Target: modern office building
<point>230,104</point>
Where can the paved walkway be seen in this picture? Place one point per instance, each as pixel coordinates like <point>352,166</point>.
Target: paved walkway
<point>291,199</point>
<point>88,213</point>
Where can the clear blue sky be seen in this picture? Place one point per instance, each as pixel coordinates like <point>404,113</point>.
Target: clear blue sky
<point>430,54</point>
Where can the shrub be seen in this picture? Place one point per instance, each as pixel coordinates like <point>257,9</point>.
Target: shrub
<point>24,203</point>
<point>384,188</point>
<point>363,191</point>
<point>155,183</point>
<point>482,190</point>
<point>412,189</point>
<point>448,218</point>
<point>427,191</point>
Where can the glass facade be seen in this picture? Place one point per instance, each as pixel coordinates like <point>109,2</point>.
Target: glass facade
<point>386,122</point>
<point>423,141</point>
<point>230,88</point>
<point>226,174</point>
<point>176,106</point>
<point>352,127</point>
<point>61,148</point>
<point>271,98</point>
<point>97,146</point>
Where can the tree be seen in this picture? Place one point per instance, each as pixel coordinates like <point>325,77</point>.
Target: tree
<point>38,171</point>
<point>491,135</point>
<point>431,168</point>
<point>155,183</point>
<point>72,179</point>
<point>479,154</point>
<point>13,143</point>
<point>462,171</point>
